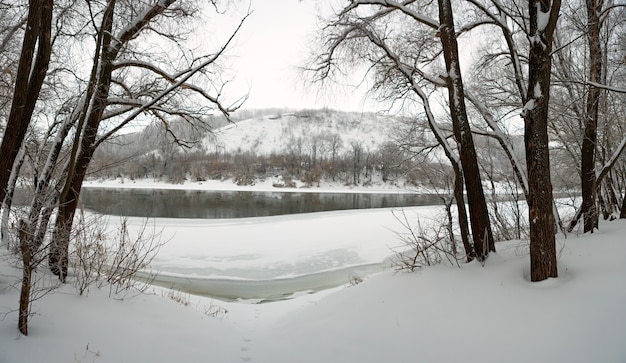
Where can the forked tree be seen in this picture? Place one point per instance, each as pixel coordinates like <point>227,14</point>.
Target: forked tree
<point>31,72</point>
<point>125,84</point>
<point>110,96</point>
<point>30,75</point>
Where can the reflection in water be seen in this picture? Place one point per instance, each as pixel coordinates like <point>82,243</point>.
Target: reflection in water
<point>236,204</point>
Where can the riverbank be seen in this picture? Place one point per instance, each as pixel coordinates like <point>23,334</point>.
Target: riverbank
<point>266,185</point>
<point>471,313</point>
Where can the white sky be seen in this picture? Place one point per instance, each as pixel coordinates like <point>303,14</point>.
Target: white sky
<point>272,44</point>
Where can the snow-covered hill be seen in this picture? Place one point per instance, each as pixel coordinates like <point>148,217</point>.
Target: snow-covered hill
<point>304,131</point>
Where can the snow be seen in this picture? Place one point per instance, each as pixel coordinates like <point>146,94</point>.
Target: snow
<point>285,133</point>
<point>529,106</point>
<point>282,254</point>
<point>437,314</point>
<point>266,185</point>
<point>543,18</point>
<point>537,91</point>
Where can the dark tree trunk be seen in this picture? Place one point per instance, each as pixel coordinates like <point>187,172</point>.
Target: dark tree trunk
<point>588,151</point>
<point>479,216</point>
<point>462,213</point>
<point>27,274</point>
<point>68,200</point>
<point>81,155</point>
<point>541,218</point>
<point>28,84</point>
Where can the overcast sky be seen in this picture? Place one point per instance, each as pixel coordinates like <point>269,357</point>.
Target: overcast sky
<point>272,44</point>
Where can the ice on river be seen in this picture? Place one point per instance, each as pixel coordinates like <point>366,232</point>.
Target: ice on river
<point>273,257</point>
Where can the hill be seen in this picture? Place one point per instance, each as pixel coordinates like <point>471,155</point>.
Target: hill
<point>281,133</point>
<point>309,145</point>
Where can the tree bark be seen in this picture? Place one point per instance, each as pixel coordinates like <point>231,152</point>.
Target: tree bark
<point>479,216</point>
<point>27,274</point>
<point>68,201</point>
<point>622,211</point>
<point>462,213</point>
<point>588,150</point>
<point>28,84</point>
<point>542,229</point>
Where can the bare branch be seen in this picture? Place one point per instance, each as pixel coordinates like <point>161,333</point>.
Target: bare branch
<point>178,84</point>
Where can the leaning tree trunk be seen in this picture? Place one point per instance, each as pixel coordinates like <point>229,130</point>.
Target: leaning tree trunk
<point>7,203</point>
<point>28,84</point>
<point>462,213</point>
<point>588,151</point>
<point>81,156</point>
<point>479,215</point>
<point>542,229</point>
<point>68,200</point>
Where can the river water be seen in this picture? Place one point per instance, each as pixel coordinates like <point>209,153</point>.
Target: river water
<point>237,204</point>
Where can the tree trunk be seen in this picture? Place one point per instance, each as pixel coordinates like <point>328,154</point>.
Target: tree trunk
<point>622,212</point>
<point>542,229</point>
<point>479,216</point>
<point>462,213</point>
<point>68,200</point>
<point>28,84</point>
<point>8,198</point>
<point>85,145</point>
<point>27,274</point>
<point>588,151</point>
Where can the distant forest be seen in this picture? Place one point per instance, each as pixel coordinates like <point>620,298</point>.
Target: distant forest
<point>407,158</point>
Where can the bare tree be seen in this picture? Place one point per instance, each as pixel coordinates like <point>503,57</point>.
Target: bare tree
<point>543,18</point>
<point>588,151</point>
<point>479,216</point>
<point>397,57</point>
<point>110,97</point>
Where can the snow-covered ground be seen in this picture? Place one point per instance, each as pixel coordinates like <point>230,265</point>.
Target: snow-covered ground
<point>438,314</point>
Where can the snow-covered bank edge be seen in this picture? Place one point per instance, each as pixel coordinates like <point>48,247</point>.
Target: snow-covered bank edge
<point>265,290</point>
<point>267,185</point>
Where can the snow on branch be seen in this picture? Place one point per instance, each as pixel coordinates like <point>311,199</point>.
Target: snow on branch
<point>141,20</point>
<point>547,14</point>
<point>609,164</point>
<point>608,88</point>
<point>542,18</point>
<point>408,73</point>
<point>533,100</point>
<point>402,6</point>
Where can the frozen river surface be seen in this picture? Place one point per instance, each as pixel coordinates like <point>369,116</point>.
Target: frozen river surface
<point>268,258</point>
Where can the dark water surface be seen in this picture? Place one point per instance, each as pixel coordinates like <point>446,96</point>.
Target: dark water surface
<point>236,204</point>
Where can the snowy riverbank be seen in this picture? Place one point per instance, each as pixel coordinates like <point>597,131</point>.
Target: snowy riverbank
<point>266,185</point>
<point>472,313</point>
<point>439,314</point>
